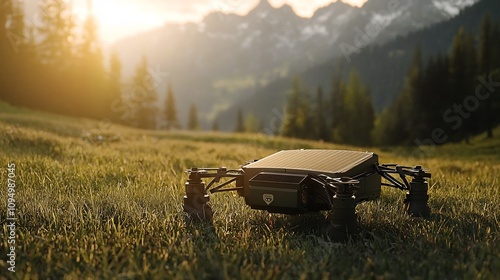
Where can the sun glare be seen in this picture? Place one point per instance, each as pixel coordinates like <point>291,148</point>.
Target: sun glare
<point>117,19</point>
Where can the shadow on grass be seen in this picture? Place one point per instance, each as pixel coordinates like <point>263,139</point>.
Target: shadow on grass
<point>445,231</point>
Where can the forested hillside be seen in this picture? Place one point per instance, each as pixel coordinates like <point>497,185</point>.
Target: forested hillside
<point>383,68</point>
<point>444,98</point>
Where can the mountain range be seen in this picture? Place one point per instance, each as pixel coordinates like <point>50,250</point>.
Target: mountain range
<point>228,61</point>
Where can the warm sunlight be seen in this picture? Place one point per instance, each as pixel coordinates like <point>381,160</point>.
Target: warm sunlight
<point>117,19</point>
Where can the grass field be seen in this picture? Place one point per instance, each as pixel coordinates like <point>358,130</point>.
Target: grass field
<point>98,201</point>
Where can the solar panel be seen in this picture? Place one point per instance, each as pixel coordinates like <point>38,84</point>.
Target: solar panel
<point>328,161</point>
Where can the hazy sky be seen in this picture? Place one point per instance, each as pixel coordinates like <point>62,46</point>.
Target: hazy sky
<point>119,18</point>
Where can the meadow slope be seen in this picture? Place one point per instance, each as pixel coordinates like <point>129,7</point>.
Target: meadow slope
<point>104,201</point>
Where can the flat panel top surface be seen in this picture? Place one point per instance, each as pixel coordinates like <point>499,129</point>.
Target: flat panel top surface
<point>331,161</point>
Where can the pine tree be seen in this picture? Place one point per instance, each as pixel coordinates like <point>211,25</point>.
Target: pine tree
<point>193,118</point>
<point>171,110</point>
<point>114,88</point>
<point>59,81</point>
<point>320,115</point>
<point>32,71</point>
<point>251,123</point>
<point>435,97</point>
<point>400,122</point>
<point>26,62</point>
<point>336,100</point>
<point>6,9</point>
<point>495,46</point>
<point>496,73</point>
<point>91,75</point>
<point>298,122</point>
<point>359,116</point>
<point>56,47</point>
<point>411,126</point>
<point>215,125</point>
<point>11,27</point>
<point>462,75</point>
<point>384,124</point>
<point>19,64</point>
<point>16,31</point>
<point>485,51</point>
<point>240,125</point>
<point>145,111</point>
<point>485,64</point>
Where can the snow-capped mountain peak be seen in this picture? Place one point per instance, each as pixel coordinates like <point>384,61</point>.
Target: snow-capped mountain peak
<point>452,7</point>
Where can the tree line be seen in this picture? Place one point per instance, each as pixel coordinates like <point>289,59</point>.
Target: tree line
<point>347,116</point>
<point>55,65</point>
<point>450,97</point>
